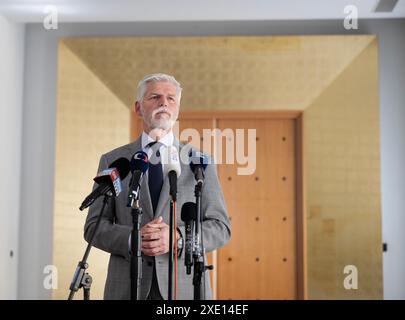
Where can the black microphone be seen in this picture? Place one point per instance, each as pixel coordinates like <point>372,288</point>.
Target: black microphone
<point>139,165</point>
<point>174,170</point>
<point>188,215</point>
<point>198,163</point>
<point>109,181</point>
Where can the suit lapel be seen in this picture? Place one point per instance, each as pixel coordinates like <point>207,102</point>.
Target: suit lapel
<point>145,201</point>
<point>164,198</point>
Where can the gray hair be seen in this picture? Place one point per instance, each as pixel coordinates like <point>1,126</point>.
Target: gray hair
<point>156,77</point>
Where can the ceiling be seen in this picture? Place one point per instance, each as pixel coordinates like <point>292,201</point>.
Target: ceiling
<point>191,10</point>
<point>293,71</point>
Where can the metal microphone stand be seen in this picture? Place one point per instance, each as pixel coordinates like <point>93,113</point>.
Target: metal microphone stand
<point>171,249</point>
<point>198,252</point>
<point>172,233</point>
<point>136,254</point>
<point>81,279</point>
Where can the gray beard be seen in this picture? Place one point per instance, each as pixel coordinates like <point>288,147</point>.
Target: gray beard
<point>161,124</point>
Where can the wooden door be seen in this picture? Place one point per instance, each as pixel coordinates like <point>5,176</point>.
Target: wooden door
<point>260,260</point>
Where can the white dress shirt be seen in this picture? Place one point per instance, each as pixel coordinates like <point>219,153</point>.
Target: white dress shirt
<point>166,142</point>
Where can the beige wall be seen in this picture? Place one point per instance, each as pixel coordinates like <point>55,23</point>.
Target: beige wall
<point>90,122</point>
<point>332,79</point>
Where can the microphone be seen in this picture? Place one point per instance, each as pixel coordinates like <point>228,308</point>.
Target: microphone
<point>139,165</point>
<point>174,169</point>
<point>188,215</point>
<point>109,181</point>
<point>198,163</point>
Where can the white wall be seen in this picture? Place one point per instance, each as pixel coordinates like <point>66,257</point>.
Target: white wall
<point>392,118</point>
<point>38,153</point>
<point>39,129</point>
<point>11,89</point>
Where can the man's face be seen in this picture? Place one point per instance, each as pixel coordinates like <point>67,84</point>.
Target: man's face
<point>159,107</point>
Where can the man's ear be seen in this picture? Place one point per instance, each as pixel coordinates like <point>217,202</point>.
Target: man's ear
<point>138,109</point>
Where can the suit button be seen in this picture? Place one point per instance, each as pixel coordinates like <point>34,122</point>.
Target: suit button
<point>150,263</point>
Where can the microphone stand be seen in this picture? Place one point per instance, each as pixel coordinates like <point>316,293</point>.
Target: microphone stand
<point>170,283</point>
<point>198,253</point>
<point>136,259</point>
<point>81,279</point>
<point>173,194</point>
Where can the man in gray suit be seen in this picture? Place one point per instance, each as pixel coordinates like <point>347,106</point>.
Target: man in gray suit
<point>158,103</point>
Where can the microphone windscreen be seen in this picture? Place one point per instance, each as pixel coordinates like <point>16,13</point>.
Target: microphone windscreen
<point>188,211</point>
<point>173,162</point>
<point>110,176</point>
<point>198,158</point>
<point>139,162</point>
<point>122,166</point>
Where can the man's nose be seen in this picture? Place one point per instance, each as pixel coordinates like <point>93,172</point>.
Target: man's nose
<point>163,101</point>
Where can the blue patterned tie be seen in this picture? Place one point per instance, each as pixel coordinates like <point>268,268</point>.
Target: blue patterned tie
<point>155,178</point>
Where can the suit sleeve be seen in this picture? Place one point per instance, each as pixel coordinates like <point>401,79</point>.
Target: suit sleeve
<point>216,224</point>
<point>109,236</point>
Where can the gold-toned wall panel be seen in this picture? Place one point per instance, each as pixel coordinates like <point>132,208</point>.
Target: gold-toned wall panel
<point>343,183</point>
<point>90,122</point>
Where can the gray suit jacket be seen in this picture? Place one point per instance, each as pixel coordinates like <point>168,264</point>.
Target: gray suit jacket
<point>115,227</point>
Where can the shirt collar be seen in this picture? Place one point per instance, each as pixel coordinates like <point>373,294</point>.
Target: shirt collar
<point>167,140</point>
